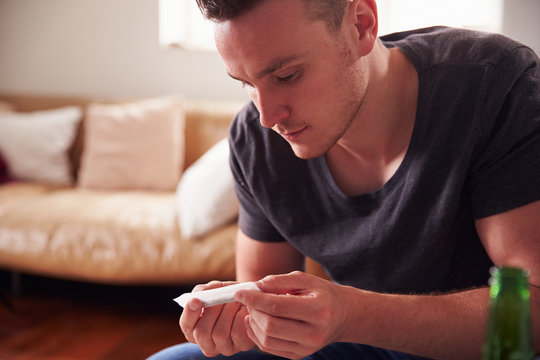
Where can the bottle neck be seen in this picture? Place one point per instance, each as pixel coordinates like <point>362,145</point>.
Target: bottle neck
<point>509,280</point>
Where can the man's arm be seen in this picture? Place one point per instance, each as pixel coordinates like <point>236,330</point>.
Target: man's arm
<point>513,239</point>
<point>450,326</point>
<point>256,259</point>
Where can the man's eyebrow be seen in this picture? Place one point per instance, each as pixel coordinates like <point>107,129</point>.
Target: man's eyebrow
<point>274,66</point>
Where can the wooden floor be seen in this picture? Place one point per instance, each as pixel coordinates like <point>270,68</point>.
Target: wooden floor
<point>58,319</point>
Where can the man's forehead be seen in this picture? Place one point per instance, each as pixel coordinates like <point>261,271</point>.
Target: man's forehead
<point>267,39</point>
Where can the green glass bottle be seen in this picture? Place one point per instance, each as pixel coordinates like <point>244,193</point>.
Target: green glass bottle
<point>509,334</point>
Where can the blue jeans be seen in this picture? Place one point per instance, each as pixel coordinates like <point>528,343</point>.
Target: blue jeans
<point>336,351</point>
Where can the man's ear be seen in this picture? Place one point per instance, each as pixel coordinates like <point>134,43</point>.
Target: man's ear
<point>362,14</point>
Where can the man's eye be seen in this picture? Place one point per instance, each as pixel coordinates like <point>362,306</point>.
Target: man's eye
<point>246,84</point>
<point>288,78</point>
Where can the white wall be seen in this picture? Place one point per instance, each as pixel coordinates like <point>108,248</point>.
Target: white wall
<point>109,48</point>
<point>521,21</point>
<point>106,48</point>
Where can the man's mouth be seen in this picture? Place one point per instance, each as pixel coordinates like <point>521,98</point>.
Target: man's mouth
<point>291,135</point>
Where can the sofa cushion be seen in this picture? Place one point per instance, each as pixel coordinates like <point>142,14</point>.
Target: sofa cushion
<point>135,146</point>
<point>107,236</point>
<point>205,197</point>
<point>6,107</point>
<point>36,145</point>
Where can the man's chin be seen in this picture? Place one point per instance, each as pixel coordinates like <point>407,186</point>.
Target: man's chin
<point>305,152</point>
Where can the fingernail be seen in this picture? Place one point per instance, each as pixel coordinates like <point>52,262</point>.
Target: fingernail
<point>193,306</point>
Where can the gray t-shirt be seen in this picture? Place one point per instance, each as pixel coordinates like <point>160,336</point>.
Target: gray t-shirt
<point>474,152</point>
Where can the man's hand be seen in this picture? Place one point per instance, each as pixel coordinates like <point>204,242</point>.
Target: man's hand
<point>295,314</point>
<point>218,329</point>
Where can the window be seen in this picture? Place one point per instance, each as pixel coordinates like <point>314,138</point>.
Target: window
<point>181,24</point>
<point>399,15</point>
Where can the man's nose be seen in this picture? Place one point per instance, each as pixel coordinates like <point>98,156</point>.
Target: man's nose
<point>272,109</point>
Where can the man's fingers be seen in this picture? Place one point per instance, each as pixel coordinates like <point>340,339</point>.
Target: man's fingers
<point>280,328</point>
<point>212,285</point>
<point>193,311</point>
<point>280,347</point>
<point>216,329</point>
<point>190,317</point>
<point>204,330</point>
<point>285,306</point>
<point>238,331</point>
<point>222,329</point>
<point>294,282</point>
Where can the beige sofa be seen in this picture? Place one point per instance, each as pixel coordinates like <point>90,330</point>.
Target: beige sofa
<point>113,236</point>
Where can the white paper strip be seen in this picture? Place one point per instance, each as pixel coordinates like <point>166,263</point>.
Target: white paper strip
<point>216,296</point>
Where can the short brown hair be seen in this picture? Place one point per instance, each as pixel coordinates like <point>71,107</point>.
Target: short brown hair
<point>329,11</point>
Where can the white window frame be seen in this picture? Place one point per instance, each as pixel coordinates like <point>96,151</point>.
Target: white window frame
<point>181,25</point>
<point>400,15</point>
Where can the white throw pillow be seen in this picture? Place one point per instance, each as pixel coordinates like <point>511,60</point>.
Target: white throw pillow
<point>36,145</point>
<point>205,196</point>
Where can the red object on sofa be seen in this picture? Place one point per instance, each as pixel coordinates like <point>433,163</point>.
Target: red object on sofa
<point>4,175</point>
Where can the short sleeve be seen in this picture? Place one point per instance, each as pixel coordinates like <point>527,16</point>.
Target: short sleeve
<point>506,170</point>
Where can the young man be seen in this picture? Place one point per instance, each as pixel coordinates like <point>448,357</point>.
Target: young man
<point>407,166</point>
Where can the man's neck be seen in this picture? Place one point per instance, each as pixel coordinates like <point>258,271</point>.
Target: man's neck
<point>374,146</point>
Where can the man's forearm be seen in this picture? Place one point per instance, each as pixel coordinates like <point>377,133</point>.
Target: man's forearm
<point>448,326</point>
<point>297,314</point>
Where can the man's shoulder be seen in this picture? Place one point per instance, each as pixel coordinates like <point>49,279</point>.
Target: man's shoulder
<point>440,45</point>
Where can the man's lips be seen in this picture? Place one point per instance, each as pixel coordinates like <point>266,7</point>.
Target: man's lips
<point>292,135</point>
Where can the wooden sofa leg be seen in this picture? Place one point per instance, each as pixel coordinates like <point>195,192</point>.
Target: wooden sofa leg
<point>15,291</point>
<point>16,283</point>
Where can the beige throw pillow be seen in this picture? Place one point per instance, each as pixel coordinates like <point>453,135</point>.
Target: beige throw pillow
<point>133,146</point>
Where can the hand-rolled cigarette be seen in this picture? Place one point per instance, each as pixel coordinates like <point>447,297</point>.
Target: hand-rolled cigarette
<point>216,296</point>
